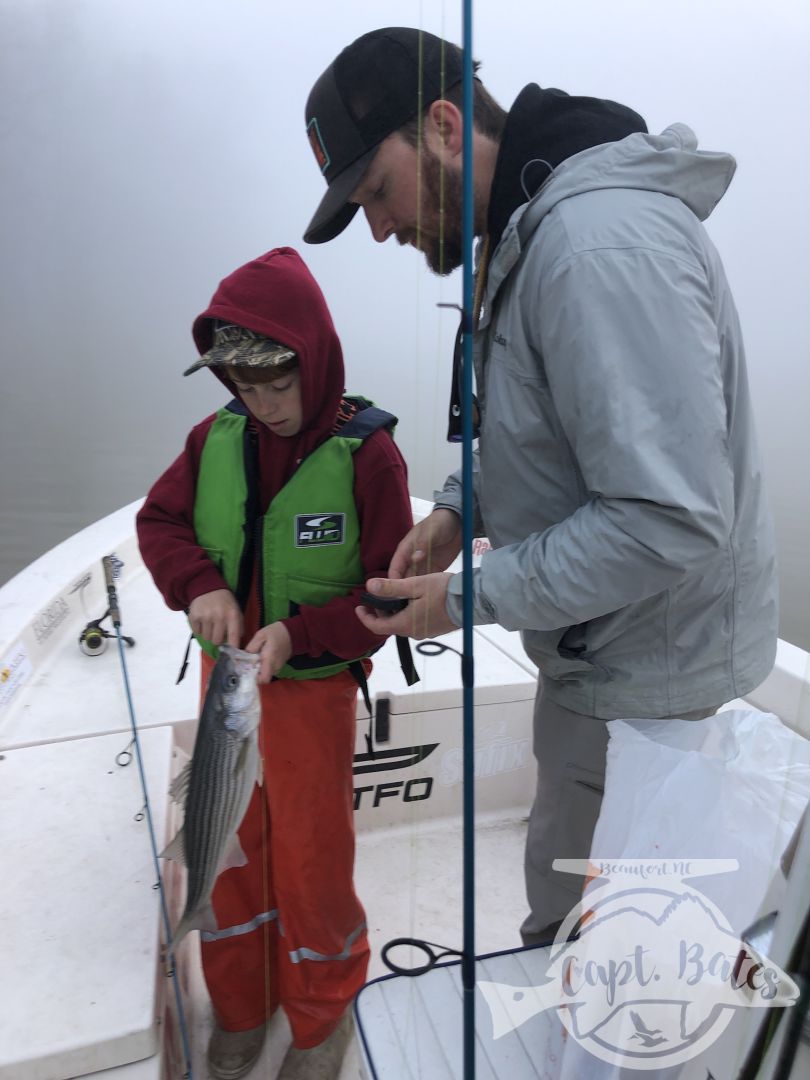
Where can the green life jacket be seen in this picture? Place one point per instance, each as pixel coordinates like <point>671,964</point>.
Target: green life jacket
<point>308,539</point>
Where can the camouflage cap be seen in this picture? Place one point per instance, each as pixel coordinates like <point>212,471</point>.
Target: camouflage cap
<point>237,345</point>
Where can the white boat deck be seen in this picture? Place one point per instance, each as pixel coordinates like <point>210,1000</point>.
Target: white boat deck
<point>81,985</point>
<point>78,908</point>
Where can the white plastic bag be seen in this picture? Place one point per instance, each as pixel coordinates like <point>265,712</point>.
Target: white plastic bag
<point>730,787</point>
<point>695,818</point>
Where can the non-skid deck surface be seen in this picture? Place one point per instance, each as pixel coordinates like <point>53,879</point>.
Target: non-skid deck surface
<point>79,985</point>
<point>412,1028</point>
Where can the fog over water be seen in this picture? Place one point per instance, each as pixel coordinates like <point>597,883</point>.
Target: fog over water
<point>150,148</point>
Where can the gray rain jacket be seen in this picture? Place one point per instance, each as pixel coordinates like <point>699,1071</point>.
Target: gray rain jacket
<point>617,474</point>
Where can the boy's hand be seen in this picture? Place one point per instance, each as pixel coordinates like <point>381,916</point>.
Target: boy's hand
<point>273,645</point>
<point>216,617</point>
<point>424,617</point>
<point>431,545</point>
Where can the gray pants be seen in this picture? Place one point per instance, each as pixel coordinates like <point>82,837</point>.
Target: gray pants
<point>571,751</point>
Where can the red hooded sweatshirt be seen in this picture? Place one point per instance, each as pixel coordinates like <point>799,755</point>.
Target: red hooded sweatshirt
<point>276,295</point>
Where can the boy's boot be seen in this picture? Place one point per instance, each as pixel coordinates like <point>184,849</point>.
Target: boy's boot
<point>320,1062</point>
<point>233,1053</point>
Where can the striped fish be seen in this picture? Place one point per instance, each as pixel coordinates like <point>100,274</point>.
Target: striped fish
<point>217,784</point>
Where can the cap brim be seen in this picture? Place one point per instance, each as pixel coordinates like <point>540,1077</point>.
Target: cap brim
<point>223,355</point>
<point>334,212</point>
<point>201,363</point>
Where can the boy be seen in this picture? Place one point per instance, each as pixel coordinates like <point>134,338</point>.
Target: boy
<point>264,529</point>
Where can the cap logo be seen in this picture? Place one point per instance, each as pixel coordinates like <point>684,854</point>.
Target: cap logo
<point>317,144</point>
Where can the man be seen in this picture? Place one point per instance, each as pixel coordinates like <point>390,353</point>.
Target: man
<point>617,474</point>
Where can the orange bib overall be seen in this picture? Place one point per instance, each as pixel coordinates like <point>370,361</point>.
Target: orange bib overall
<point>291,930</point>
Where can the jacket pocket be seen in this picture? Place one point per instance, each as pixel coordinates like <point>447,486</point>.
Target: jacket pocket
<point>575,647</point>
<point>573,644</point>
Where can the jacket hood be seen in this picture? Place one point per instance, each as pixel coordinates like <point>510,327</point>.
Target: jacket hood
<point>669,163</point>
<point>276,295</point>
<point>544,128</point>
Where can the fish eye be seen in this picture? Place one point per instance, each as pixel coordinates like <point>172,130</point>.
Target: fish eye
<point>232,682</point>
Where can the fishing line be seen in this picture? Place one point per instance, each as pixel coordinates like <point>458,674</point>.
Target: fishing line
<point>115,615</point>
<point>426,648</point>
<point>436,397</point>
<point>421,153</point>
<point>468,319</point>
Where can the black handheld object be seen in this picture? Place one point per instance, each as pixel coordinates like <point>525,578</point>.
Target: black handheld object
<point>389,605</point>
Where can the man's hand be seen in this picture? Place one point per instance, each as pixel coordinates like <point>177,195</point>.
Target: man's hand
<point>216,617</point>
<point>429,546</point>
<point>425,615</point>
<point>274,647</point>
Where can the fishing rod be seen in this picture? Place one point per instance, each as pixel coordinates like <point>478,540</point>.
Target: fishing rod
<point>115,616</point>
<point>467,663</point>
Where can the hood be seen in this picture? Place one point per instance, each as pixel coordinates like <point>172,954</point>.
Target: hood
<point>543,129</point>
<point>669,163</point>
<point>277,295</point>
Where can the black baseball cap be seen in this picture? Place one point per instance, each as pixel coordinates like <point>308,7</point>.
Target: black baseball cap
<point>377,84</point>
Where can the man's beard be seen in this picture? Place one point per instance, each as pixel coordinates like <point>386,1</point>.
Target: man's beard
<point>441,191</point>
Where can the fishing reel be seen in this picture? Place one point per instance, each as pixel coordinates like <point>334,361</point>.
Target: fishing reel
<point>93,639</point>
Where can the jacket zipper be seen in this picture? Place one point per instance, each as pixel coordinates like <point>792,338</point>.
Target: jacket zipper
<point>260,575</point>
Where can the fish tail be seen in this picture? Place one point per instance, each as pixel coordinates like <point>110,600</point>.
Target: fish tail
<point>203,919</point>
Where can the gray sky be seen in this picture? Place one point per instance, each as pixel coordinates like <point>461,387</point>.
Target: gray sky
<point>148,149</point>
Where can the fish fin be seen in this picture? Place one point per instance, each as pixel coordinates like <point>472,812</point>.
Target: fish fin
<point>242,758</point>
<point>204,919</point>
<point>176,849</point>
<point>235,856</point>
<point>248,754</point>
<point>207,920</point>
<point>178,789</point>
